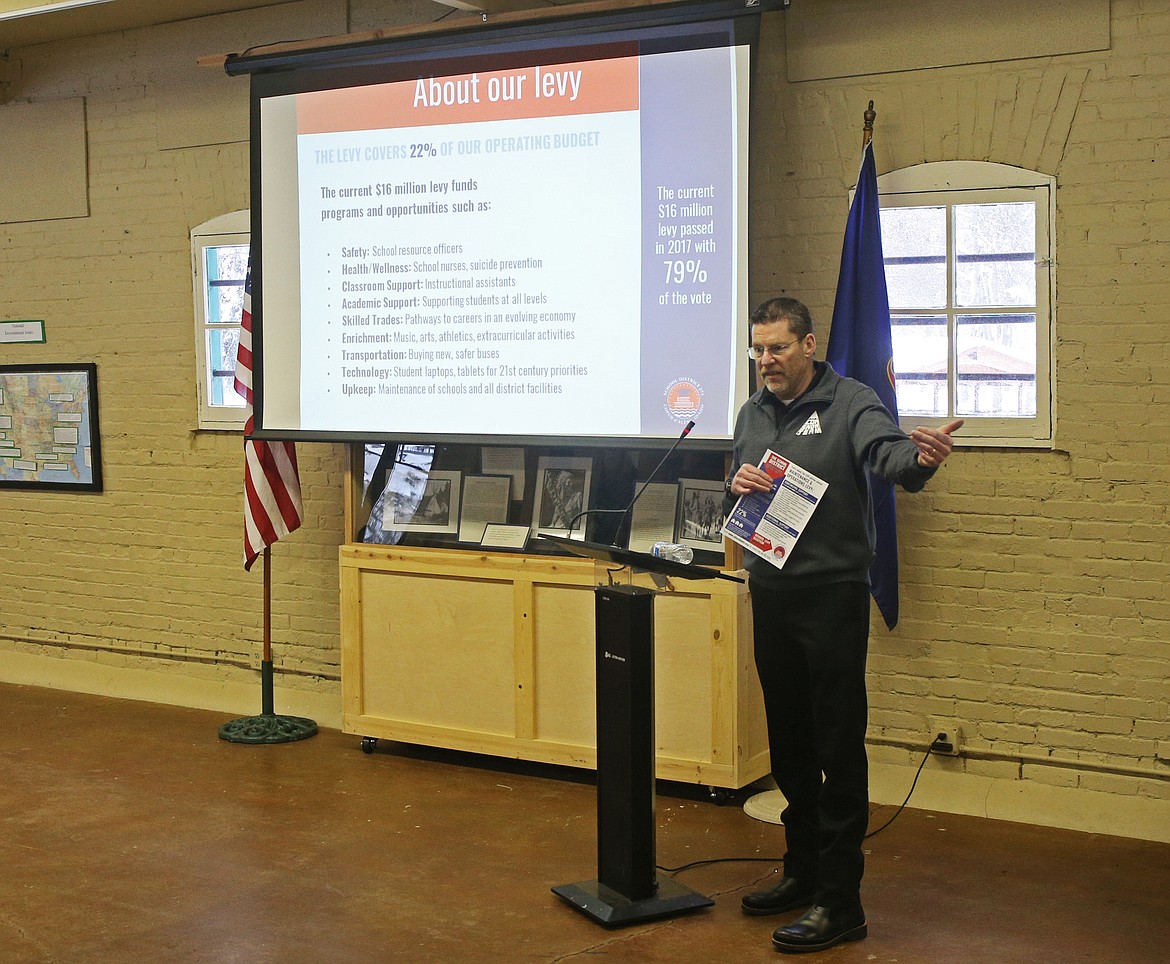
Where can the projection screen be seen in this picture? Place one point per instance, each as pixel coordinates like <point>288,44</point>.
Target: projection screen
<point>536,232</point>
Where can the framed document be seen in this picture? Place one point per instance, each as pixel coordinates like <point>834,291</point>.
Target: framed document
<point>485,500</point>
<point>494,460</point>
<point>652,519</point>
<point>437,509</point>
<point>700,514</point>
<point>562,494</point>
<point>49,427</point>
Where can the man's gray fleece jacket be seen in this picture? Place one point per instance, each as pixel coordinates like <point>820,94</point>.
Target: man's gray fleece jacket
<point>852,432</point>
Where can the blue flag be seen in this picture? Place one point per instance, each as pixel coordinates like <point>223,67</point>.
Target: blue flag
<point>860,347</point>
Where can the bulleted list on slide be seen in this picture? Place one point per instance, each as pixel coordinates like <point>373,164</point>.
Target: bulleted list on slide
<point>508,253</point>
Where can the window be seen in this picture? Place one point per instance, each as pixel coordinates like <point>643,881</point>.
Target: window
<point>968,252</point>
<point>219,254</point>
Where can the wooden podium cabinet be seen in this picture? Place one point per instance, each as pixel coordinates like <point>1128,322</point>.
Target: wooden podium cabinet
<point>493,652</point>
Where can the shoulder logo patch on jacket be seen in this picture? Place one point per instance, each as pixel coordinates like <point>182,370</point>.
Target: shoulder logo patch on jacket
<point>811,427</point>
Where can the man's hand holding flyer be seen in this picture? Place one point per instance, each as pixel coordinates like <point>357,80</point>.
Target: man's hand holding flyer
<point>769,523</point>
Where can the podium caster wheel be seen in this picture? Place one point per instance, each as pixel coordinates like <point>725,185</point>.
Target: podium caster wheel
<point>718,795</point>
<point>369,743</point>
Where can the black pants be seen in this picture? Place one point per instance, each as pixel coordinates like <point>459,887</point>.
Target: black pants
<point>810,654</point>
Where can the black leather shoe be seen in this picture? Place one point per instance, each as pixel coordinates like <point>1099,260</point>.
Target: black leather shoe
<point>820,928</point>
<point>789,894</point>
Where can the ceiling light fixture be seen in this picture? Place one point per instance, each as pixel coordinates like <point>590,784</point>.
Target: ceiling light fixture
<point>9,10</point>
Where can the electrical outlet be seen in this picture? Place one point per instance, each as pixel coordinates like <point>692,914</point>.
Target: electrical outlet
<point>946,737</point>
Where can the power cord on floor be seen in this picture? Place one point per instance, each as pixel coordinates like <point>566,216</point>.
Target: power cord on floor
<point>874,833</point>
<point>777,860</point>
<point>718,860</point>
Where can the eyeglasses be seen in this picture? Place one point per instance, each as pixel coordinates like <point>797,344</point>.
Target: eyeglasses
<point>757,351</point>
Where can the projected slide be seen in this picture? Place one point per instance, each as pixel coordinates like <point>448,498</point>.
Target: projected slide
<point>553,247</point>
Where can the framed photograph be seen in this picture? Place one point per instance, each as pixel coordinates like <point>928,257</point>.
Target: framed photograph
<point>700,514</point>
<point>562,493</point>
<point>394,478</point>
<point>485,500</point>
<point>49,427</point>
<point>438,507</point>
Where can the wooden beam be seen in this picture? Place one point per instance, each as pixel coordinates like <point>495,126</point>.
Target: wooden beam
<point>549,12</point>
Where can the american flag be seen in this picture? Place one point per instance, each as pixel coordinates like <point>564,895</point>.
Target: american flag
<point>272,486</point>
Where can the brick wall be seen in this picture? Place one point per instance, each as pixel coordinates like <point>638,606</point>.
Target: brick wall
<point>146,577</point>
<point>1034,583</point>
<point>1035,607</point>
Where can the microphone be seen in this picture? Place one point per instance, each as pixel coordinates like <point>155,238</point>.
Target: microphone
<point>650,478</point>
<point>629,508</point>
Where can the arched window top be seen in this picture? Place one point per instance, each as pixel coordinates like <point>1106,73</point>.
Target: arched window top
<point>960,176</point>
<point>235,222</point>
<point>219,261</point>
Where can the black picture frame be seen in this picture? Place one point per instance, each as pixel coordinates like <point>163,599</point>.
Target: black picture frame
<point>437,509</point>
<point>49,429</point>
<point>700,514</point>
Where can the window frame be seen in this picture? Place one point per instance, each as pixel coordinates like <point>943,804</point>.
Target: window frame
<point>227,229</point>
<point>967,182</point>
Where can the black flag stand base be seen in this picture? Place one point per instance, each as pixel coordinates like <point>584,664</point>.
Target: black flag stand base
<point>267,727</point>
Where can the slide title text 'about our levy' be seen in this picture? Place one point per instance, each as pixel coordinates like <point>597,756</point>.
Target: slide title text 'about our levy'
<point>432,92</point>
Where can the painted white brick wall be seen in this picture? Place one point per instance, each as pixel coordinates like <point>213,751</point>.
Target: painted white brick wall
<point>1034,584</point>
<point>1035,607</point>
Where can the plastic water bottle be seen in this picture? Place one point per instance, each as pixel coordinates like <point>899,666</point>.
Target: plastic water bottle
<point>672,551</point>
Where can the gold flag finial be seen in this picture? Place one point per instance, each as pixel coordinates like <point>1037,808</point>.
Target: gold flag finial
<point>867,131</point>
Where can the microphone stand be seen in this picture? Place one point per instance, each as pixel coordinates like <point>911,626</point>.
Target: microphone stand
<point>637,495</point>
<point>669,452</point>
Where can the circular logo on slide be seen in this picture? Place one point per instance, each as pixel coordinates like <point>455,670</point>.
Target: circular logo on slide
<point>683,399</point>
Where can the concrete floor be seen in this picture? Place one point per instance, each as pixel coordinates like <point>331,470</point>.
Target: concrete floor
<point>132,833</point>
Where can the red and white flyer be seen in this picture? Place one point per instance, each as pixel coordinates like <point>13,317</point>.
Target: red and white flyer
<point>770,523</point>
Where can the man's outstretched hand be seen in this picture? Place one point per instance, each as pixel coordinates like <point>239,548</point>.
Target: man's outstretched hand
<point>935,444</point>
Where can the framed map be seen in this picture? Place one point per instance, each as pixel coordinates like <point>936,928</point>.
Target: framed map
<point>49,427</point>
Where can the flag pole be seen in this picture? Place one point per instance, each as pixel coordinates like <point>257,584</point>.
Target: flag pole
<point>272,509</point>
<point>861,347</point>
<point>268,727</point>
<point>266,700</point>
